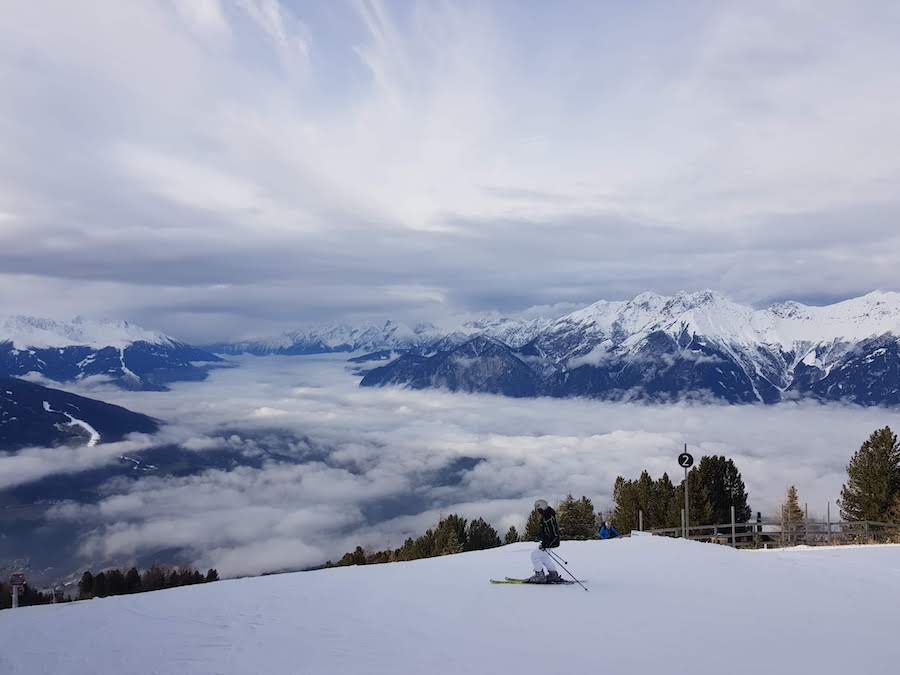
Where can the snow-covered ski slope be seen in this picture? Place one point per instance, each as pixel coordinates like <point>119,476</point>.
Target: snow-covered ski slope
<point>655,606</point>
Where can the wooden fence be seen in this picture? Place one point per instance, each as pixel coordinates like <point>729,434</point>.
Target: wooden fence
<point>774,534</point>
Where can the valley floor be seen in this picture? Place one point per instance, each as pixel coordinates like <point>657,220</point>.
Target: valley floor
<point>655,606</point>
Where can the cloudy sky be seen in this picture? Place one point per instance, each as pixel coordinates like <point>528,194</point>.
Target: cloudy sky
<point>215,169</point>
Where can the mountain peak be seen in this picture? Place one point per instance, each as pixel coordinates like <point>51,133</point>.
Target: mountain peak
<point>41,333</point>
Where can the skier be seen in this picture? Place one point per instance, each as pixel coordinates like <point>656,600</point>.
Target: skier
<point>607,531</point>
<point>549,536</point>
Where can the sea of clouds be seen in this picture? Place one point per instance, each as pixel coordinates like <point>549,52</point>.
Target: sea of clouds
<point>345,465</point>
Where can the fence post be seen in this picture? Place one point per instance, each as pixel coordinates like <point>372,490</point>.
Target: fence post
<point>806,523</point>
<point>733,535</point>
<point>641,520</point>
<point>683,526</point>
<point>866,541</point>
<point>828,516</point>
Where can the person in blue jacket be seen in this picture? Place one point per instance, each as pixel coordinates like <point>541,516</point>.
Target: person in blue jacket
<point>607,531</point>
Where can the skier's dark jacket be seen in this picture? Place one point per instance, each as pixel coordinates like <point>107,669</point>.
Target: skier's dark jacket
<point>549,530</point>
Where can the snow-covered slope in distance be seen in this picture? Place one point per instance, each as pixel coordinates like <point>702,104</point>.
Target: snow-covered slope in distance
<point>655,606</point>
<point>119,351</point>
<point>33,415</point>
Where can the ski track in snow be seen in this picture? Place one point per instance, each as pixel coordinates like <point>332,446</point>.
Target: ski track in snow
<point>93,434</point>
<point>655,606</point>
<point>125,369</point>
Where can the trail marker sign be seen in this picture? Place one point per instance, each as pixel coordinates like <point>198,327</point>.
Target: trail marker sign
<point>686,460</point>
<point>17,581</point>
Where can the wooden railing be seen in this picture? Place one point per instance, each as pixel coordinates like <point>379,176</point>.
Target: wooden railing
<point>768,533</point>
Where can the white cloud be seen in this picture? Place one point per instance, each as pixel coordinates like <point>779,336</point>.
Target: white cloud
<point>379,465</point>
<point>31,464</point>
<point>205,16</point>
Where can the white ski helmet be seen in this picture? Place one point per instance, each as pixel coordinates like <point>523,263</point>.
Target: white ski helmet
<point>541,504</point>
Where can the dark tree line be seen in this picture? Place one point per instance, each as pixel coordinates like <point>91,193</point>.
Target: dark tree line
<point>714,486</point>
<point>116,582</point>
<point>453,534</point>
<point>27,596</point>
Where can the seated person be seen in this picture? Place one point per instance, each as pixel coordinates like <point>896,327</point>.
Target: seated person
<point>607,531</point>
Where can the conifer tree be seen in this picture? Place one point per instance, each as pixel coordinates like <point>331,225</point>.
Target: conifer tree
<point>450,535</point>
<point>873,478</point>
<point>628,505</point>
<point>115,582</point>
<point>576,518</point>
<point>100,585</point>
<point>794,518</point>
<point>894,515</point>
<point>715,486</point>
<point>424,546</point>
<point>661,512</point>
<point>533,526</point>
<point>450,543</point>
<point>154,578</point>
<point>212,574</point>
<point>481,536</point>
<point>512,535</point>
<point>86,585</point>
<point>132,581</point>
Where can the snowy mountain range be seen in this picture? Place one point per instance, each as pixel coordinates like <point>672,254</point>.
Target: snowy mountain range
<point>121,352</point>
<point>693,345</point>
<point>389,335</point>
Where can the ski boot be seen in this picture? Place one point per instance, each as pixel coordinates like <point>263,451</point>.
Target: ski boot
<point>553,578</point>
<point>537,578</point>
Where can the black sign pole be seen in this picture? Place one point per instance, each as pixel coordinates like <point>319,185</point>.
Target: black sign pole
<point>687,517</point>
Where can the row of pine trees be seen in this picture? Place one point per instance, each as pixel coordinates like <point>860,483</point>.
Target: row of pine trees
<point>116,582</point>
<point>714,486</point>
<point>455,534</point>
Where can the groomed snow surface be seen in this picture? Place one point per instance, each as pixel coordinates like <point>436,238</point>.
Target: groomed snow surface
<point>656,606</point>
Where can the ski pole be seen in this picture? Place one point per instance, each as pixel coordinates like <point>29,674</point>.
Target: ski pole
<point>558,558</point>
<point>562,564</point>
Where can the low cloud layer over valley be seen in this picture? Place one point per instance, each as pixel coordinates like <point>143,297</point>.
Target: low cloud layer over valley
<point>284,462</point>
